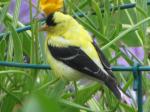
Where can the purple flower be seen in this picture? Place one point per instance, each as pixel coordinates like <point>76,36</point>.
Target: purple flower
<point>121,61</point>
<point>24,14</point>
<point>136,51</point>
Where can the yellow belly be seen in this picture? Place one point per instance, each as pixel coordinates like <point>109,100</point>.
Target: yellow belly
<point>62,70</point>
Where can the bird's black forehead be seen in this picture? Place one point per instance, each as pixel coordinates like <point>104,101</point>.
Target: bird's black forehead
<point>50,20</point>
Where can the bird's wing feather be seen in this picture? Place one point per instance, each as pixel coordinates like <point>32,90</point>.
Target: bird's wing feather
<point>104,61</point>
<point>77,59</point>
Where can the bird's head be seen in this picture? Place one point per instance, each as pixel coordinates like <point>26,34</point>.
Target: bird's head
<point>56,23</point>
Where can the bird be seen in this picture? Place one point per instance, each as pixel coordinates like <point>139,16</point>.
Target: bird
<point>73,54</point>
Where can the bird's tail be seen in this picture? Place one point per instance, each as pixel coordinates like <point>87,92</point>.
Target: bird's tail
<point>118,92</point>
<point>124,97</point>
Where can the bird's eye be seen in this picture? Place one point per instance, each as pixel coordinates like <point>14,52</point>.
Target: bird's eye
<point>50,20</point>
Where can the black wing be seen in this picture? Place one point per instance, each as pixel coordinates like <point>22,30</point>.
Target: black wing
<point>110,81</point>
<point>77,59</point>
<point>103,59</point>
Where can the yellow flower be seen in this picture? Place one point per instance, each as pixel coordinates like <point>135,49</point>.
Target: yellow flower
<point>50,6</point>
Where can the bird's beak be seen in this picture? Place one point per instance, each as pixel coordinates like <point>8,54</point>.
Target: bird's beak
<point>43,27</point>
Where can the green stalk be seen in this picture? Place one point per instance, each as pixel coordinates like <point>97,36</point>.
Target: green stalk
<point>16,13</point>
<point>19,24</point>
<point>47,84</point>
<point>121,35</point>
<point>72,104</point>
<point>141,14</point>
<point>32,57</point>
<point>34,42</point>
<point>132,23</point>
<point>10,94</point>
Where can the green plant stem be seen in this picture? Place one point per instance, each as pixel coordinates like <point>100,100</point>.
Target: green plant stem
<point>75,105</point>
<point>47,84</point>
<point>132,23</point>
<point>9,93</point>
<point>14,71</point>
<point>121,35</point>
<point>19,24</point>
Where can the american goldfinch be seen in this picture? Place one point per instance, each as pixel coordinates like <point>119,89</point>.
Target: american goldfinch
<point>73,54</point>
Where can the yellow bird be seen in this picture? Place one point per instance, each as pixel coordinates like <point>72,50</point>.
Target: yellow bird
<point>73,54</point>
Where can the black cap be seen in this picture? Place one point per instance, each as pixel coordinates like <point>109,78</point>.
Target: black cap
<point>50,20</point>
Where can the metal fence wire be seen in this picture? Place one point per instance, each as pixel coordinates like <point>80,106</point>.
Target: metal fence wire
<point>136,69</point>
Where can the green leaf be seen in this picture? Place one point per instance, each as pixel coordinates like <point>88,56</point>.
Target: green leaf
<point>57,89</point>
<point>26,43</point>
<point>98,34</point>
<point>41,103</point>
<point>5,0</point>
<point>121,35</point>
<point>68,103</point>
<point>87,92</point>
<point>98,15</point>
<point>2,49</point>
<point>16,12</point>
<point>18,52</point>
<point>42,47</point>
<point>3,12</point>
<point>134,43</point>
<point>91,23</point>
<point>7,104</point>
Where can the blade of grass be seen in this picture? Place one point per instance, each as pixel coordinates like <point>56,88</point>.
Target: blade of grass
<point>90,28</point>
<point>132,23</point>
<point>87,92</point>
<point>121,35</point>
<point>15,71</point>
<point>3,11</point>
<point>99,15</point>
<point>18,52</point>
<point>68,103</point>
<point>86,17</point>
<point>16,13</point>
<point>11,94</point>
<point>47,84</point>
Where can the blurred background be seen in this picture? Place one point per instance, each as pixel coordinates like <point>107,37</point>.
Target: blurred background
<point>37,90</point>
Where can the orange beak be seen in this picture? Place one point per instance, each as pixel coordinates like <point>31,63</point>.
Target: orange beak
<point>44,27</point>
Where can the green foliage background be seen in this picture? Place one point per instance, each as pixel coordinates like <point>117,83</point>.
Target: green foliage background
<point>29,90</point>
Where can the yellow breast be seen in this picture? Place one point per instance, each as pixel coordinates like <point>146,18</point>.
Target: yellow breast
<point>75,36</point>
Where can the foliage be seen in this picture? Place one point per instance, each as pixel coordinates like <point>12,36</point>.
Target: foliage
<point>24,90</point>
